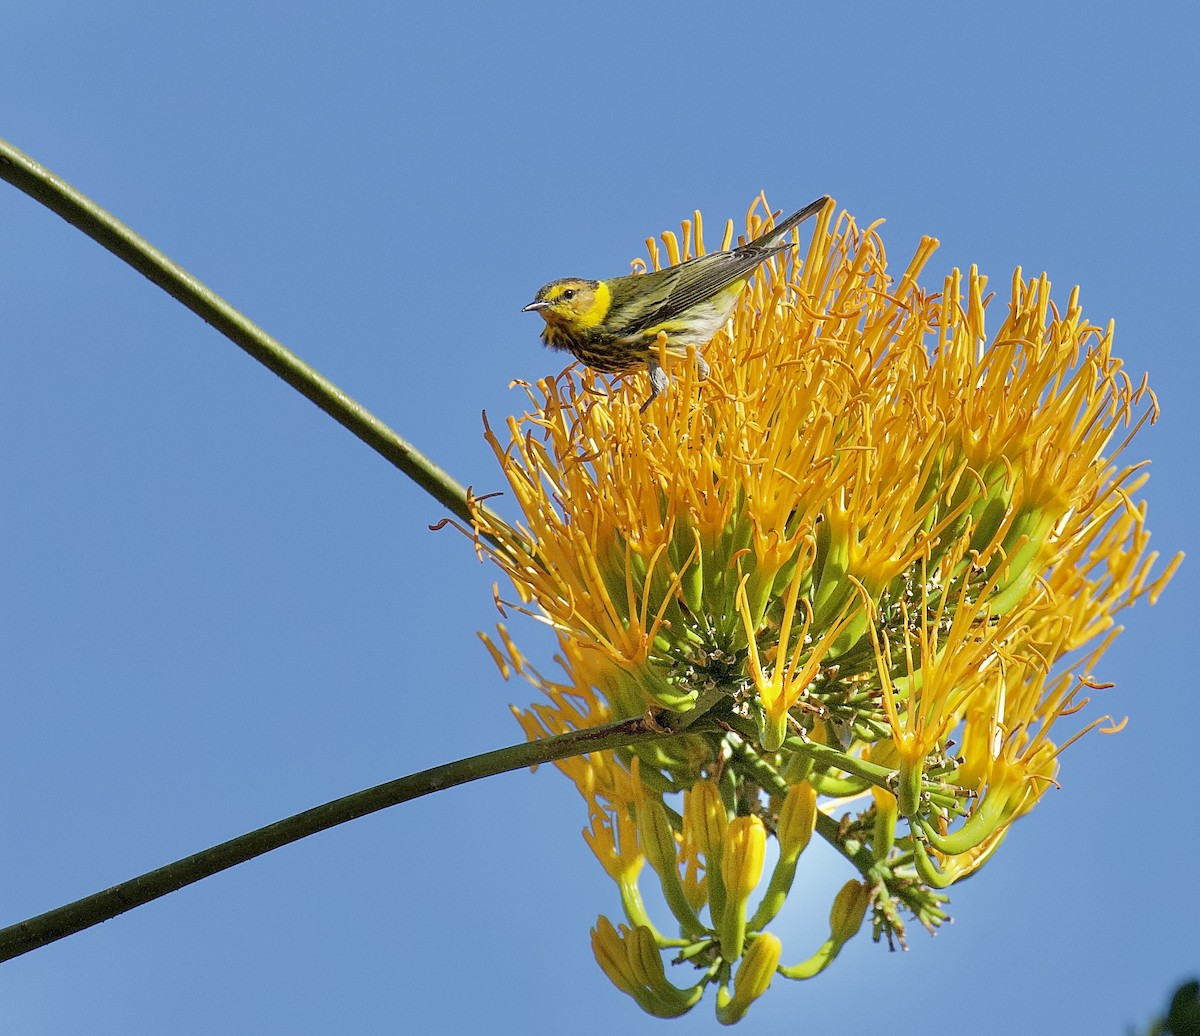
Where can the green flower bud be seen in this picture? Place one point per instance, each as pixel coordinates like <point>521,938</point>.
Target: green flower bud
<point>849,909</point>
<point>753,977</point>
<point>741,867</point>
<point>658,840</point>
<point>797,818</point>
<point>743,854</point>
<point>609,951</point>
<point>705,817</point>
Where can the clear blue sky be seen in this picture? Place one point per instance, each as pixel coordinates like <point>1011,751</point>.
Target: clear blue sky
<point>218,608</point>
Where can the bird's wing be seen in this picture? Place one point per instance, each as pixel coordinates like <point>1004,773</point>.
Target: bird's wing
<point>783,229</point>
<point>664,294</point>
<point>687,284</point>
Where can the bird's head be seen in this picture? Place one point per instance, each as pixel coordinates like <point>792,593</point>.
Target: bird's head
<point>572,302</point>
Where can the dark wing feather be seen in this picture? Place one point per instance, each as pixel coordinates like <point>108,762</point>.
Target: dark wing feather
<point>682,286</point>
<point>696,280</point>
<point>783,229</point>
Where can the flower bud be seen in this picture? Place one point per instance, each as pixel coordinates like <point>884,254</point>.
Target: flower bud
<point>753,977</point>
<point>849,909</point>
<point>609,951</point>
<point>796,819</point>
<point>886,812</point>
<point>705,817</point>
<point>645,961</point>
<point>742,859</point>
<point>658,840</point>
<point>741,867</point>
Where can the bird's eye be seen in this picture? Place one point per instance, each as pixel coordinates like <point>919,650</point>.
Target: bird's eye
<point>569,293</point>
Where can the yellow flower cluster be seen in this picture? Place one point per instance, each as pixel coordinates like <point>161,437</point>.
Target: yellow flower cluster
<point>876,553</point>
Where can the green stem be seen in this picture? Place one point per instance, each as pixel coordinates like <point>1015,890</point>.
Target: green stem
<point>59,196</point>
<point>823,755</point>
<point>815,964</point>
<point>830,829</point>
<point>84,913</point>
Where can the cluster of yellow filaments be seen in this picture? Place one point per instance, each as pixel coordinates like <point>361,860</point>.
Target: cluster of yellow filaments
<point>876,554</point>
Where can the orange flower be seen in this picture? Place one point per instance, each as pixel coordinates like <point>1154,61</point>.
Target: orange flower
<point>867,550</point>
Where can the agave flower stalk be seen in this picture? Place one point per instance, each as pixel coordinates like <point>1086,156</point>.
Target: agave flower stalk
<point>877,554</point>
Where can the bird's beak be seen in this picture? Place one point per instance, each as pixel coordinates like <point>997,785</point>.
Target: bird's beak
<point>533,307</point>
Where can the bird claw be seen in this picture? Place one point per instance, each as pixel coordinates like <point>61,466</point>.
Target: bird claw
<point>660,379</point>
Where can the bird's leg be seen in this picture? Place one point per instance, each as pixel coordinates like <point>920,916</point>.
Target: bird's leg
<point>659,380</point>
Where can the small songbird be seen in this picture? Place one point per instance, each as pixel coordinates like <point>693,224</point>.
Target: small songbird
<point>613,325</point>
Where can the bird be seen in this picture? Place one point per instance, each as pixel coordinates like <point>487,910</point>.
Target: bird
<point>613,325</point>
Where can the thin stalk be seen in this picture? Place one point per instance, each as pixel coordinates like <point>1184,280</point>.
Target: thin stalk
<point>74,917</point>
<point>80,211</point>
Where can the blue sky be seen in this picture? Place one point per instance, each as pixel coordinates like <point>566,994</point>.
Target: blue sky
<point>217,608</point>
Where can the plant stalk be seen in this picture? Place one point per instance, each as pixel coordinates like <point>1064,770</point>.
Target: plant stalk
<point>80,211</point>
<point>56,924</point>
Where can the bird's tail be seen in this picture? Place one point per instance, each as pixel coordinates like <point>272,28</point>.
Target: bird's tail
<point>780,236</point>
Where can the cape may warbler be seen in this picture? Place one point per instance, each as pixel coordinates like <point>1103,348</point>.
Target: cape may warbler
<point>613,325</point>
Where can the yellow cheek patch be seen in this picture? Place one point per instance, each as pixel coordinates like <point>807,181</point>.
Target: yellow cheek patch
<point>598,310</point>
